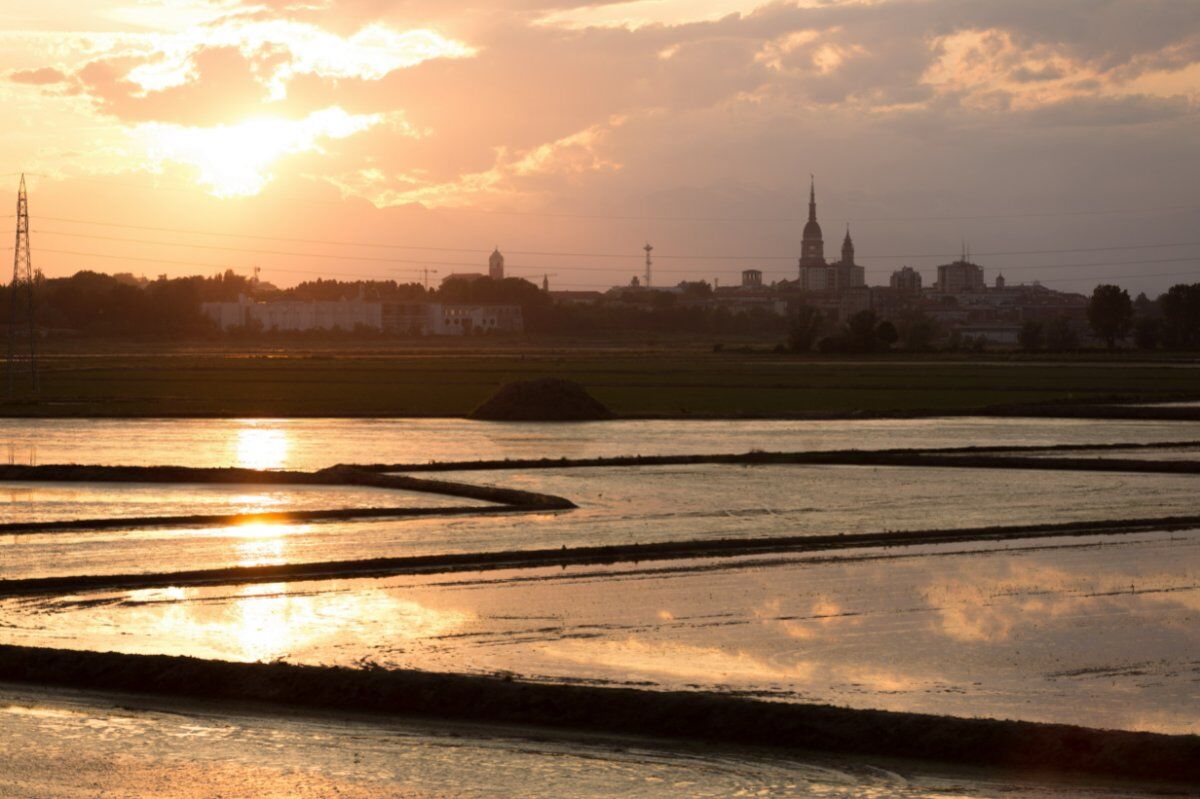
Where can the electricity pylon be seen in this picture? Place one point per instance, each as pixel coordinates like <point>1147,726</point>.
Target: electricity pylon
<point>20,318</point>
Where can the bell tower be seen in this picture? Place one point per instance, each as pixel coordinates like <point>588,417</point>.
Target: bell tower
<point>812,246</point>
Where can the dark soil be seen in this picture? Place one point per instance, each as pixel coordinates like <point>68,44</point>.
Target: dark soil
<point>547,399</point>
<point>708,717</point>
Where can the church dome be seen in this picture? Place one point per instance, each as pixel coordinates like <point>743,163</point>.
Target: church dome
<point>812,230</point>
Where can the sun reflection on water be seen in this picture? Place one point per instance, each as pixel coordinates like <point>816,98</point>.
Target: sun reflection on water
<point>258,447</point>
<point>260,543</point>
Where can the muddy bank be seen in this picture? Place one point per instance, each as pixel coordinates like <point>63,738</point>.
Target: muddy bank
<point>235,519</point>
<point>344,475</point>
<point>526,500</point>
<point>706,717</point>
<point>642,460</point>
<point>505,500</point>
<point>965,457</point>
<point>582,556</point>
<point>1084,410</point>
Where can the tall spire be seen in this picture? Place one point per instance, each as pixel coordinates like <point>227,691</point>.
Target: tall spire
<point>812,247</point>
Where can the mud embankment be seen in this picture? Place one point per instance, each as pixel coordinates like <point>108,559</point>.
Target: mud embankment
<point>961,457</point>
<point>707,717</point>
<point>585,556</point>
<point>503,500</point>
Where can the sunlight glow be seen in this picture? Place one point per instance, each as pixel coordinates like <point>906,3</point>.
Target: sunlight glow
<point>235,160</point>
<point>260,543</point>
<point>261,447</point>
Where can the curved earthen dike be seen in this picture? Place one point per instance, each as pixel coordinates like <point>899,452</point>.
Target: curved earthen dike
<point>700,716</point>
<point>584,556</point>
<point>505,500</point>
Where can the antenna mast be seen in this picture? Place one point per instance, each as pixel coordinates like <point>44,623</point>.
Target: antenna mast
<point>21,318</point>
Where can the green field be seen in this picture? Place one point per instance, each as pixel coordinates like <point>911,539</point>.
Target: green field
<point>452,382</point>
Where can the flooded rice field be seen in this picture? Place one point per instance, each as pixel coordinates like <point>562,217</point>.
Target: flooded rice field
<point>316,443</point>
<point>1100,632</point>
<point>125,747</point>
<point>617,505</point>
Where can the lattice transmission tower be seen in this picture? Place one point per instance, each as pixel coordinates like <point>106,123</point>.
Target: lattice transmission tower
<point>21,322</point>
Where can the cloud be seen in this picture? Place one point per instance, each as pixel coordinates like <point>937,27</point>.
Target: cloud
<point>903,107</point>
<point>43,76</point>
<point>214,85</point>
<point>530,174</point>
<point>226,71</point>
<point>1135,109</point>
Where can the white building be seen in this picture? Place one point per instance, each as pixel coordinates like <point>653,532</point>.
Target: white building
<point>459,320</point>
<point>402,318</point>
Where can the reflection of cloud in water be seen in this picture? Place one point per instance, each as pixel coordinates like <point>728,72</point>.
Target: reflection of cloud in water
<point>265,621</point>
<point>822,615</point>
<point>989,602</point>
<point>668,661</point>
<point>676,660</point>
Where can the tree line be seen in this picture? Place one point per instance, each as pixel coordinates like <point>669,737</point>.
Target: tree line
<point>125,306</point>
<point>122,305</point>
<point>1171,322</point>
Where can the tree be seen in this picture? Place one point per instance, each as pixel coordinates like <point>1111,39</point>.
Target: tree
<point>1110,313</point>
<point>860,331</point>
<point>1031,336</point>
<point>885,334</point>
<point>1181,316</point>
<point>917,332</point>
<point>1061,335</point>
<point>697,289</point>
<point>805,327</point>
<point>1146,333</point>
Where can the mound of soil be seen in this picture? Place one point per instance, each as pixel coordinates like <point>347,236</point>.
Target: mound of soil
<point>544,400</point>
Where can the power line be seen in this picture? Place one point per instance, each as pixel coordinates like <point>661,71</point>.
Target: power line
<point>209,265</point>
<point>190,245</point>
<point>124,185</point>
<point>252,251</point>
<point>567,268</point>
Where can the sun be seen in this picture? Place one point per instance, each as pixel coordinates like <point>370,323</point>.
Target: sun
<point>236,160</point>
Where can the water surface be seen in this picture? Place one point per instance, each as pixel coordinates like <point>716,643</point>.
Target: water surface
<point>624,505</point>
<point>1100,632</point>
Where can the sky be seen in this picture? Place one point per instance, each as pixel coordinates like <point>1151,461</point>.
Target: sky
<point>1058,141</point>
